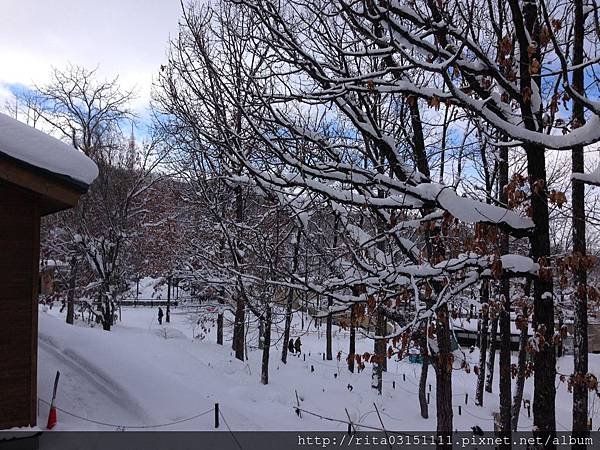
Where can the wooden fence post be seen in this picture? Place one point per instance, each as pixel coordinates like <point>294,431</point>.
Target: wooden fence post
<point>351,427</point>
<point>216,415</point>
<point>298,403</point>
<point>382,425</point>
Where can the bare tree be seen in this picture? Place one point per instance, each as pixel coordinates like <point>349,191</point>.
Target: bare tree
<point>90,113</point>
<point>83,109</point>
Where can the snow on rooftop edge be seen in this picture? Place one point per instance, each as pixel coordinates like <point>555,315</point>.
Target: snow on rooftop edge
<point>32,146</point>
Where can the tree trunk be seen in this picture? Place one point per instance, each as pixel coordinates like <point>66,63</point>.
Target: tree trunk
<point>113,303</point>
<point>221,300</point>
<point>382,344</point>
<point>379,348</point>
<point>287,326</point>
<point>329,354</point>
<point>483,341</point>
<point>234,337</point>
<point>444,374</point>
<point>239,327</point>
<point>443,383</point>
<point>168,315</point>
<point>247,329</point>
<point>544,418</point>
<point>518,398</point>
<point>220,329</point>
<point>352,349</point>
<point>492,356</point>
<point>290,299</point>
<point>71,293</point>
<point>580,337</point>
<point>423,378</point>
<point>544,414</point>
<point>261,332</point>
<point>504,363</point>
<point>443,359</point>
<point>220,320</point>
<point>266,337</point>
<point>240,306</point>
<point>561,322</point>
<point>106,312</point>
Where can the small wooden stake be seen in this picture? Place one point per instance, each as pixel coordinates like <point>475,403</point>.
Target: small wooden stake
<point>298,403</point>
<point>350,424</point>
<point>56,378</point>
<point>382,425</point>
<point>216,415</point>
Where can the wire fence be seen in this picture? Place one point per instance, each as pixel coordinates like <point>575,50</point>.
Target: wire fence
<point>230,431</point>
<point>398,379</point>
<point>125,427</point>
<point>346,422</point>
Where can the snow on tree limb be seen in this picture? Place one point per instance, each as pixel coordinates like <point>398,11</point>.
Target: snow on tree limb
<point>592,178</point>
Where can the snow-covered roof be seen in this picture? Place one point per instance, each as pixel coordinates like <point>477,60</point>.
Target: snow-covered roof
<point>32,146</point>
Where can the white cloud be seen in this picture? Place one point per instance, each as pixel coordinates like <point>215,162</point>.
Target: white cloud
<point>128,38</point>
<point>5,97</point>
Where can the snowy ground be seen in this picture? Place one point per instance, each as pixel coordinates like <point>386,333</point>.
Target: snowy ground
<point>144,375</point>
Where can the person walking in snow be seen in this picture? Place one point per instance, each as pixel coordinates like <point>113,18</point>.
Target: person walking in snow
<point>160,315</point>
<point>298,345</point>
<point>291,346</point>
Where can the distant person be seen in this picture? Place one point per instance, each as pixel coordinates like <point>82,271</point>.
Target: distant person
<point>298,345</point>
<point>160,315</point>
<point>291,346</point>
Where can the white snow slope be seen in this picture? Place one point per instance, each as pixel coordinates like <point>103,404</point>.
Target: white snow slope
<point>143,375</point>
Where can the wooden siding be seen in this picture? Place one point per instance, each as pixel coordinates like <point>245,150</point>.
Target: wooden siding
<point>19,265</point>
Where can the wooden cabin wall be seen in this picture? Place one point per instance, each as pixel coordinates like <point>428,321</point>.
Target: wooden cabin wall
<point>19,266</point>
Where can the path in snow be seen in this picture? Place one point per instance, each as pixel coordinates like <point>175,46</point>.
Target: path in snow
<point>97,395</point>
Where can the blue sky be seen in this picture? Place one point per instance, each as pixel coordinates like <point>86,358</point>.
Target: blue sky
<point>128,38</point>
